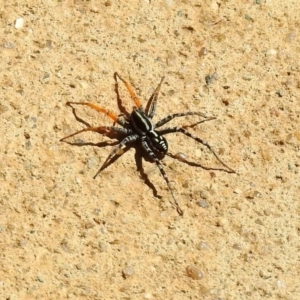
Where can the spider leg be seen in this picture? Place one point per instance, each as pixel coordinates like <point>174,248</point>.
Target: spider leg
<point>204,143</point>
<point>171,117</point>
<point>122,108</point>
<point>101,130</point>
<point>162,171</point>
<point>113,159</point>
<point>100,109</point>
<point>197,123</point>
<point>131,92</point>
<point>194,164</point>
<point>128,139</point>
<point>151,105</point>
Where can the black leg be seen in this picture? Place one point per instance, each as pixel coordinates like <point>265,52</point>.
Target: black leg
<point>112,160</point>
<point>194,164</point>
<point>102,130</point>
<point>171,117</point>
<point>128,139</point>
<point>151,105</point>
<point>204,143</point>
<point>162,171</point>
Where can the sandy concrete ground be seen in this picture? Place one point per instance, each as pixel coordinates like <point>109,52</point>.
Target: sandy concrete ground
<point>67,235</point>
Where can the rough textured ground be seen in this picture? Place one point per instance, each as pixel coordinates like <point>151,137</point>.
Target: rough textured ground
<point>64,234</point>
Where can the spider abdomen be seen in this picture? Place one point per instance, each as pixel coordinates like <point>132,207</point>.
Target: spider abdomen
<point>157,142</point>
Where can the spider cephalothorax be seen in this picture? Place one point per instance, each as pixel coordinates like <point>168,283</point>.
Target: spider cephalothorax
<point>138,126</point>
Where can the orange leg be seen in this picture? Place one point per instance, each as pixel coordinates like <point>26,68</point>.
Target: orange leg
<point>101,129</point>
<point>97,108</point>
<point>131,92</point>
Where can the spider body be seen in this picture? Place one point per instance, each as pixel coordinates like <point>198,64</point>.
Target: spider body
<point>138,126</point>
<point>144,127</point>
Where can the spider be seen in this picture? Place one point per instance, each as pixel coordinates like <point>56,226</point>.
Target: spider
<point>138,126</point>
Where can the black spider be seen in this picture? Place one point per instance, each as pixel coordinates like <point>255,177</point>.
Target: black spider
<point>139,126</point>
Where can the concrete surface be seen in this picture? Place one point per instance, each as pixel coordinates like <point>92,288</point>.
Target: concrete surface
<point>65,235</point>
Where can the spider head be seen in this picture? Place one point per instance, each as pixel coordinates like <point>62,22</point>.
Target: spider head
<point>157,142</point>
